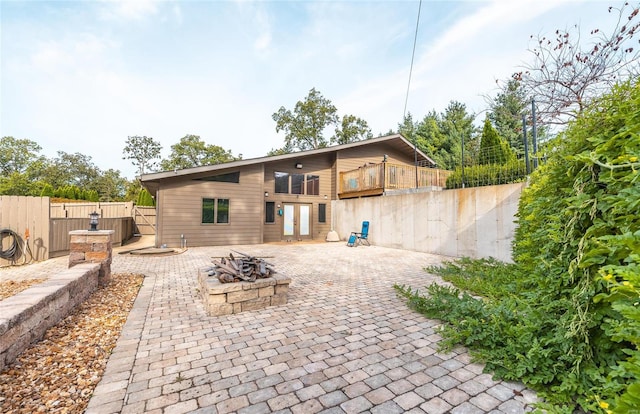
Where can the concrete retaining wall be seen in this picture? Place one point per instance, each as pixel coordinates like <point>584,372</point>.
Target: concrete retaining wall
<point>25,317</point>
<point>475,222</point>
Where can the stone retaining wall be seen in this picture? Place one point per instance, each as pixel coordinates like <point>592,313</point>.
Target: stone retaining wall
<point>228,298</point>
<point>25,317</point>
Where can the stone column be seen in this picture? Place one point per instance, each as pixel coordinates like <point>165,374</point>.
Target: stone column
<point>88,246</point>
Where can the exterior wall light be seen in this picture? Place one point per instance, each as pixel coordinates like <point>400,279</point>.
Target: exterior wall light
<point>299,165</point>
<point>93,221</point>
<point>266,194</point>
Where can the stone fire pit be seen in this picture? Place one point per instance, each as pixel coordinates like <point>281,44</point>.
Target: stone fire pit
<point>239,285</point>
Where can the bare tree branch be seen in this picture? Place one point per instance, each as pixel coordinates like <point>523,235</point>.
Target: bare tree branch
<point>565,74</point>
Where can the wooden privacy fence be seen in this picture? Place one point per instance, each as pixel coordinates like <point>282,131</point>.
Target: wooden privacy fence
<point>47,225</point>
<point>25,215</point>
<point>123,228</point>
<point>145,219</point>
<point>82,210</point>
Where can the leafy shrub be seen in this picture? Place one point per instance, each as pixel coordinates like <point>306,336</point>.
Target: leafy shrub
<point>47,191</point>
<point>488,174</point>
<point>570,327</point>
<point>92,195</point>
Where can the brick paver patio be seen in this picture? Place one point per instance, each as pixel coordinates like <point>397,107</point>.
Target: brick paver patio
<point>344,343</point>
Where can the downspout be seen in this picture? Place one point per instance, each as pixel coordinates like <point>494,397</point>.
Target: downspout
<point>158,217</point>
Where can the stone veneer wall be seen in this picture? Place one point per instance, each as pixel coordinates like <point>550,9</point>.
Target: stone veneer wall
<point>25,317</point>
<point>228,298</point>
<point>86,246</point>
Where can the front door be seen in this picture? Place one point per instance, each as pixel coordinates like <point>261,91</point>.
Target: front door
<point>297,222</point>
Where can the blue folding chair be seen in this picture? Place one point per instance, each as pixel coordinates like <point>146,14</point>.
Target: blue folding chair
<point>359,238</point>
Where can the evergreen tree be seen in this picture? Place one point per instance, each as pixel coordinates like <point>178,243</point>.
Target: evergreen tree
<point>457,124</point>
<point>493,149</point>
<point>145,199</point>
<point>506,113</point>
<point>47,191</point>
<point>432,141</point>
<point>407,128</point>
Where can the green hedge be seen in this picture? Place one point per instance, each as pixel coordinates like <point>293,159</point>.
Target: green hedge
<point>489,174</point>
<point>565,317</point>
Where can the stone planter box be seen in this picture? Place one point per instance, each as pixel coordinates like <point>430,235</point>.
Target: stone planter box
<point>228,298</point>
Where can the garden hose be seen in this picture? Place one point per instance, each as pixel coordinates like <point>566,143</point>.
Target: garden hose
<point>15,249</point>
<point>11,251</point>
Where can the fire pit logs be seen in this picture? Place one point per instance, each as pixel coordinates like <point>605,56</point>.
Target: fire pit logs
<point>247,268</point>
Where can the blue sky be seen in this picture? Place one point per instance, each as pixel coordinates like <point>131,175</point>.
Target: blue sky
<point>81,76</point>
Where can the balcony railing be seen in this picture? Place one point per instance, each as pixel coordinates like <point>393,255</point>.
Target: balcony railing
<point>375,179</point>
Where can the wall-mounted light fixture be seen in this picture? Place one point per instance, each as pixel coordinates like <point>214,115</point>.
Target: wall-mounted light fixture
<point>266,194</point>
<point>325,196</point>
<point>384,158</point>
<point>93,221</point>
<point>299,165</point>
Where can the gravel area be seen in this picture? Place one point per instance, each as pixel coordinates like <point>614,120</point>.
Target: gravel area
<point>59,373</point>
<point>12,287</point>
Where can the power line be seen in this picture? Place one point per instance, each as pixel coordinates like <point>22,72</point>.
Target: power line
<point>406,99</point>
<point>415,40</point>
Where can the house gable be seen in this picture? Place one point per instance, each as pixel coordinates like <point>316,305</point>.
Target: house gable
<point>248,189</point>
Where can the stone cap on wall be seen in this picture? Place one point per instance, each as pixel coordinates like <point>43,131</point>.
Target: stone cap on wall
<point>90,232</point>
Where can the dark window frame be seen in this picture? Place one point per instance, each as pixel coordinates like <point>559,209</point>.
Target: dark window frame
<point>208,212</point>
<point>225,210</point>
<point>312,183</point>
<point>214,213</point>
<point>296,183</point>
<point>279,179</point>
<point>322,213</point>
<point>232,177</point>
<point>269,214</point>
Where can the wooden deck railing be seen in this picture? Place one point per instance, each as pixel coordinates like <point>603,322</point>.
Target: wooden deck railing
<point>376,178</point>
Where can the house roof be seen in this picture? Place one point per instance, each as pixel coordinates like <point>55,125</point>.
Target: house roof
<point>397,141</point>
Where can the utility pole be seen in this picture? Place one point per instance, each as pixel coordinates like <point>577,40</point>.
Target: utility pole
<point>534,135</point>
<point>415,156</point>
<point>462,157</point>
<point>526,144</point>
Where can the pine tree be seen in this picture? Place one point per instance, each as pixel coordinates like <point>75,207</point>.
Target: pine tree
<point>493,149</point>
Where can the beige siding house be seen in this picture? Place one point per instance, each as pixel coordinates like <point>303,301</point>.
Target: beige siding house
<point>279,198</point>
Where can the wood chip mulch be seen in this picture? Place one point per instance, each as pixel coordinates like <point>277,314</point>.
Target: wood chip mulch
<point>13,287</point>
<point>59,373</point>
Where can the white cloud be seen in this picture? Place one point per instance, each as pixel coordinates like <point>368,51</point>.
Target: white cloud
<point>460,63</point>
<point>486,21</point>
<point>83,82</point>
<point>262,24</point>
<point>50,55</point>
<point>129,9</point>
<point>177,14</point>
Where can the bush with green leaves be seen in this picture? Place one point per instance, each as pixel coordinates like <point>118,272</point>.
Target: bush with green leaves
<point>488,174</point>
<point>565,317</point>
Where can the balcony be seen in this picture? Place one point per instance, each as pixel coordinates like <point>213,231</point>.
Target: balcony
<point>375,179</point>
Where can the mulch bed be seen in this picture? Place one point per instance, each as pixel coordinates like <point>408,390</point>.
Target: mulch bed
<point>59,373</point>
